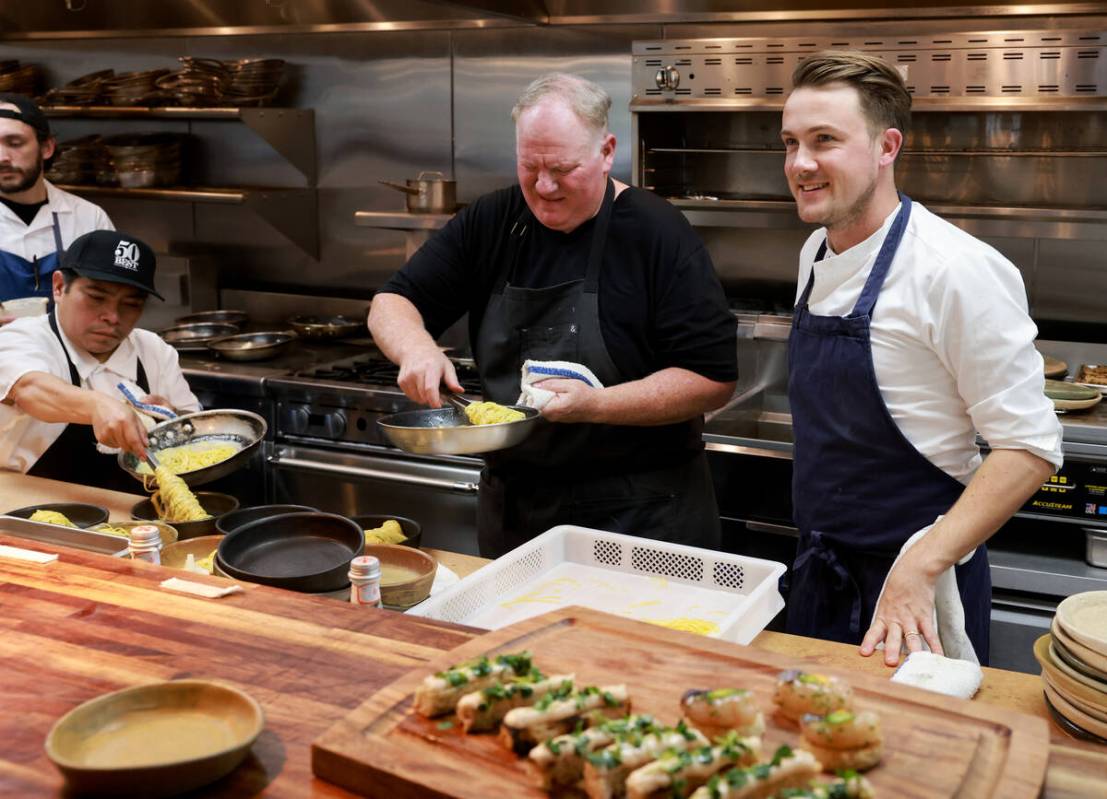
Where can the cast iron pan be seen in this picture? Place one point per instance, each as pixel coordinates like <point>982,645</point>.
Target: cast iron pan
<point>230,522</point>
<point>307,551</point>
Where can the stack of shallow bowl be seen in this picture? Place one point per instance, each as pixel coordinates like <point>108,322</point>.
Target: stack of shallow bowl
<point>85,90</point>
<point>142,160</point>
<point>1074,665</point>
<point>253,81</point>
<point>135,88</point>
<point>199,83</point>
<point>83,162</point>
<point>19,78</point>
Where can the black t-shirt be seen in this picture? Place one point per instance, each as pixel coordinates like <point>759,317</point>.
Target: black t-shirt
<point>25,211</point>
<point>660,302</point>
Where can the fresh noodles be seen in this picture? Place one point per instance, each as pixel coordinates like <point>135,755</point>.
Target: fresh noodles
<point>491,413</point>
<point>51,517</point>
<point>174,502</point>
<point>190,457</point>
<point>111,529</point>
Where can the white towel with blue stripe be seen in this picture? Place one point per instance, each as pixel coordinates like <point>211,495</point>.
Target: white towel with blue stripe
<point>534,372</point>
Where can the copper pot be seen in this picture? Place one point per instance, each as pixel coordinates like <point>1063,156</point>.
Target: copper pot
<point>427,194</point>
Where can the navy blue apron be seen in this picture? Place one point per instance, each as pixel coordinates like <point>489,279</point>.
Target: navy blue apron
<point>22,278</point>
<point>73,456</point>
<point>860,489</point>
<point>590,475</point>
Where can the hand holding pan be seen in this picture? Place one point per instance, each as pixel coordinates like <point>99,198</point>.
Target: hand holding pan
<point>447,431</point>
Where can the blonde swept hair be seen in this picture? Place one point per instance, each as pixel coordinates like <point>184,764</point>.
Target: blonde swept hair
<point>587,100</point>
<point>885,101</point>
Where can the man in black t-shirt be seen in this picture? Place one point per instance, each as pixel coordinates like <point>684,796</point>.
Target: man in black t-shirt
<point>571,265</point>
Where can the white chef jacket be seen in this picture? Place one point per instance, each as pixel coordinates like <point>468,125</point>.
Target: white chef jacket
<point>29,345</point>
<point>75,218</point>
<point>952,341</point>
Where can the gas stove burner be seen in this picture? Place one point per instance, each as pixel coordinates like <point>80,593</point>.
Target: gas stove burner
<point>367,370</point>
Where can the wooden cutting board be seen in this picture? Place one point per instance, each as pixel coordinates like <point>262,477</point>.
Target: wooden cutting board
<point>936,746</point>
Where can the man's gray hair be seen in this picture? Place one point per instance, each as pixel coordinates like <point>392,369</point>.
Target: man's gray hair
<point>587,100</point>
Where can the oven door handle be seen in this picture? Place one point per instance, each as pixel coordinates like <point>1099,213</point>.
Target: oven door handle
<point>374,474</point>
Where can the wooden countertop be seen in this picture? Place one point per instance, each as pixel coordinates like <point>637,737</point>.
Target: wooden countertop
<point>90,624</point>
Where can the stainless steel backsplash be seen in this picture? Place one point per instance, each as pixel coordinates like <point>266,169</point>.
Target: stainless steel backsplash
<point>389,104</point>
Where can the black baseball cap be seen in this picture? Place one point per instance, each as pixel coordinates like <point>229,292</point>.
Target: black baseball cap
<point>28,113</point>
<point>114,257</point>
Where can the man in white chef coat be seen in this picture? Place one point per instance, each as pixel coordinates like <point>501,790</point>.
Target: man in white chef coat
<point>59,373</point>
<point>909,337</point>
<point>37,219</point>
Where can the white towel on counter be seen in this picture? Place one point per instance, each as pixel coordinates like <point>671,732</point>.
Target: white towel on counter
<point>533,396</point>
<point>944,675</point>
<point>949,613</point>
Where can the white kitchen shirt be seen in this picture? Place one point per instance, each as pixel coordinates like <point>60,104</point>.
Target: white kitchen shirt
<point>952,341</point>
<point>29,345</point>
<point>76,217</point>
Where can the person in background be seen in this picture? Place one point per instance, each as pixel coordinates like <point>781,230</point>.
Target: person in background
<point>909,337</point>
<point>59,372</point>
<point>570,265</point>
<point>37,220</point>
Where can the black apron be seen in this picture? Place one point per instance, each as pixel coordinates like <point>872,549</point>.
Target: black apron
<point>73,456</point>
<point>860,489</point>
<point>541,483</point>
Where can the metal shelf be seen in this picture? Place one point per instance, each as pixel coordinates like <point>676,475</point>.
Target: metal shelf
<point>291,212</point>
<point>416,228</point>
<point>400,220</point>
<point>980,220</point>
<point>918,104</point>
<point>289,131</point>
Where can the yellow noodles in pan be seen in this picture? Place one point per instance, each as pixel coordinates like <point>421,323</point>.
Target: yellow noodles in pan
<point>190,457</point>
<point>174,501</point>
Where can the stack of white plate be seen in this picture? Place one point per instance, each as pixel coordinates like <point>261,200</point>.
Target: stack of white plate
<point>1074,664</point>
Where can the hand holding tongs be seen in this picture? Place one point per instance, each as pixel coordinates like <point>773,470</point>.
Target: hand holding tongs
<point>459,404</point>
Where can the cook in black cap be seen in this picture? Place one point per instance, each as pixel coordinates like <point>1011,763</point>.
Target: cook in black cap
<point>37,219</point>
<point>66,367</point>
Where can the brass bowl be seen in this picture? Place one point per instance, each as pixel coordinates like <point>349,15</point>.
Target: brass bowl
<point>155,740</point>
<point>402,595</point>
<point>175,555</point>
<point>168,532</point>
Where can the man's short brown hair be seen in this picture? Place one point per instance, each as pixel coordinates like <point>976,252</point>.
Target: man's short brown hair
<point>885,101</point>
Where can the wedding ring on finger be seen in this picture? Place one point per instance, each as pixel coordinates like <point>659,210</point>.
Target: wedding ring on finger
<point>912,632</point>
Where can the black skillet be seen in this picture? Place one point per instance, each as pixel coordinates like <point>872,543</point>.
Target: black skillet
<point>307,551</point>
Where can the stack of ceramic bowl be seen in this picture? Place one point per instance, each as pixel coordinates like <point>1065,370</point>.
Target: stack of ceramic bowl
<point>1074,665</point>
<point>142,160</point>
<point>83,162</point>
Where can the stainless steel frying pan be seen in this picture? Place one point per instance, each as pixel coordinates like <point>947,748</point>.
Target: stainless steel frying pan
<point>446,431</point>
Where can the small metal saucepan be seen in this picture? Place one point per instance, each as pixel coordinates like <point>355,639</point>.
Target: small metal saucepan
<point>427,194</point>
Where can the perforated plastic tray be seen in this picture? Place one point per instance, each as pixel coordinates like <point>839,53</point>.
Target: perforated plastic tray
<point>718,594</point>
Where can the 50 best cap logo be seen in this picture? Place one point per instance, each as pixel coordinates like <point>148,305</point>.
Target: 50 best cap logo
<point>126,255</point>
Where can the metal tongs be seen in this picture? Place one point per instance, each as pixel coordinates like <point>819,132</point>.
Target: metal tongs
<point>459,404</point>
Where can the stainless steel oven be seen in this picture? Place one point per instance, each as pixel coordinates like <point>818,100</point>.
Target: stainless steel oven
<point>328,453</point>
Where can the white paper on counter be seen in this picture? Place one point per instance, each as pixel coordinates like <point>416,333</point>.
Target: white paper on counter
<point>199,589</point>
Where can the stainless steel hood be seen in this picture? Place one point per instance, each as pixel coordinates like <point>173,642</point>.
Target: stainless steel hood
<point>121,18</point>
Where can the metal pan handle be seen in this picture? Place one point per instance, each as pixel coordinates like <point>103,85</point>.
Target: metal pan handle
<point>375,474</point>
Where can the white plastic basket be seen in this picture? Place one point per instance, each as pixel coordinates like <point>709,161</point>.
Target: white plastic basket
<point>729,596</point>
